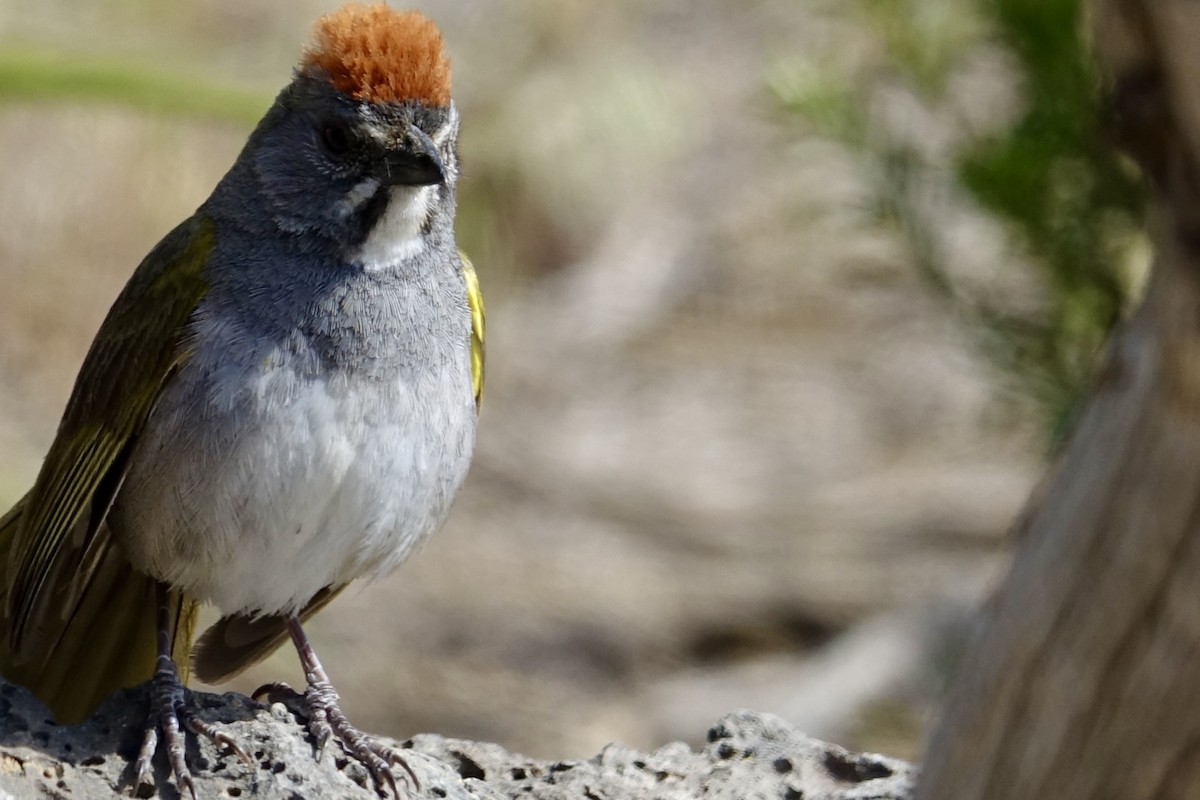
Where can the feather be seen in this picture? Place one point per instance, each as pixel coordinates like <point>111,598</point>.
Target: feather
<point>79,619</point>
<point>378,55</point>
<point>235,642</point>
<point>478,323</point>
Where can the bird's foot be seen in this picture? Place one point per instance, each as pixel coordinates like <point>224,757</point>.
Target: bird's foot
<point>327,722</point>
<point>169,715</point>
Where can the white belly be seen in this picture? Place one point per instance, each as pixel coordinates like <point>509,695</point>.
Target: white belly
<point>255,488</point>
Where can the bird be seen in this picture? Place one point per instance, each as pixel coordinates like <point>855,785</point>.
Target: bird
<point>283,399</point>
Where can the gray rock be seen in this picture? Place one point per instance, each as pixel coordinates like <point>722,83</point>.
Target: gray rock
<point>748,756</point>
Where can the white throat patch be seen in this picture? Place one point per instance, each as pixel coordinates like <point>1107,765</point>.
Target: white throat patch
<point>397,235</point>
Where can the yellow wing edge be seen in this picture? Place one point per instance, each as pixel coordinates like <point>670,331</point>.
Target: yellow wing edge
<point>478,323</point>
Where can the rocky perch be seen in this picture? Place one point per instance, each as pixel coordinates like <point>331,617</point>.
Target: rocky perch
<point>748,755</point>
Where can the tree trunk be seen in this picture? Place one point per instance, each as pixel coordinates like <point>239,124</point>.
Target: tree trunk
<point>1084,681</point>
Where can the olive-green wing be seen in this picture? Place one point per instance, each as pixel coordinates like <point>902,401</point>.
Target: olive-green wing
<point>478,320</point>
<point>59,539</point>
<point>105,638</point>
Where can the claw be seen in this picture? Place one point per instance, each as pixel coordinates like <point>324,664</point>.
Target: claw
<point>233,748</point>
<point>143,765</point>
<point>185,782</point>
<point>272,692</point>
<point>327,721</point>
<point>391,781</point>
<point>168,707</point>
<point>321,730</point>
<point>222,740</point>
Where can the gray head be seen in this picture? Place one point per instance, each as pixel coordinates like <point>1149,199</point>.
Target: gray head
<point>359,152</point>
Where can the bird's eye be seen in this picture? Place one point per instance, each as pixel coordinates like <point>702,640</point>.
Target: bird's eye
<point>335,138</point>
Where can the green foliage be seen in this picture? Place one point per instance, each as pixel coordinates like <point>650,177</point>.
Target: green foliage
<point>1072,205</point>
<point>822,97</point>
<point>1066,192</point>
<point>924,38</point>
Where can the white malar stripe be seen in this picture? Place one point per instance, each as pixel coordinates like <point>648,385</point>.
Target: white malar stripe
<point>397,236</point>
<point>363,191</point>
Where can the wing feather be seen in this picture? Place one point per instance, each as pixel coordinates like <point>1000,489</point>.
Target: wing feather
<point>235,642</point>
<point>478,321</point>
<point>138,347</point>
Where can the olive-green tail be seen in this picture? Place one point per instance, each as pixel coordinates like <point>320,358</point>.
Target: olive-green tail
<point>99,635</point>
<point>235,642</point>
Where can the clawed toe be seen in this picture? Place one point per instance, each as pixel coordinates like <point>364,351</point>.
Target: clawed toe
<point>393,757</point>
<point>168,706</point>
<point>328,722</point>
<point>166,699</point>
<point>224,742</point>
<point>276,692</point>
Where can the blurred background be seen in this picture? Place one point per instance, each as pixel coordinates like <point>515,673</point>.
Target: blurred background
<point>789,302</point>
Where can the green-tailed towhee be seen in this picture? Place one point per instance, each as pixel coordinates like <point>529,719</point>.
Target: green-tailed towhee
<point>281,400</point>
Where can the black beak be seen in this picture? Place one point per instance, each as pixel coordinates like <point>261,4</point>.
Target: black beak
<point>415,162</point>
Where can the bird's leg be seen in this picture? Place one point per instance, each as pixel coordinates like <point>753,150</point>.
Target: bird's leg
<point>326,720</point>
<point>168,707</point>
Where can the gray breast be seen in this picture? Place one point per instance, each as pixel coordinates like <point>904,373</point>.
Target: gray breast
<point>287,457</point>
